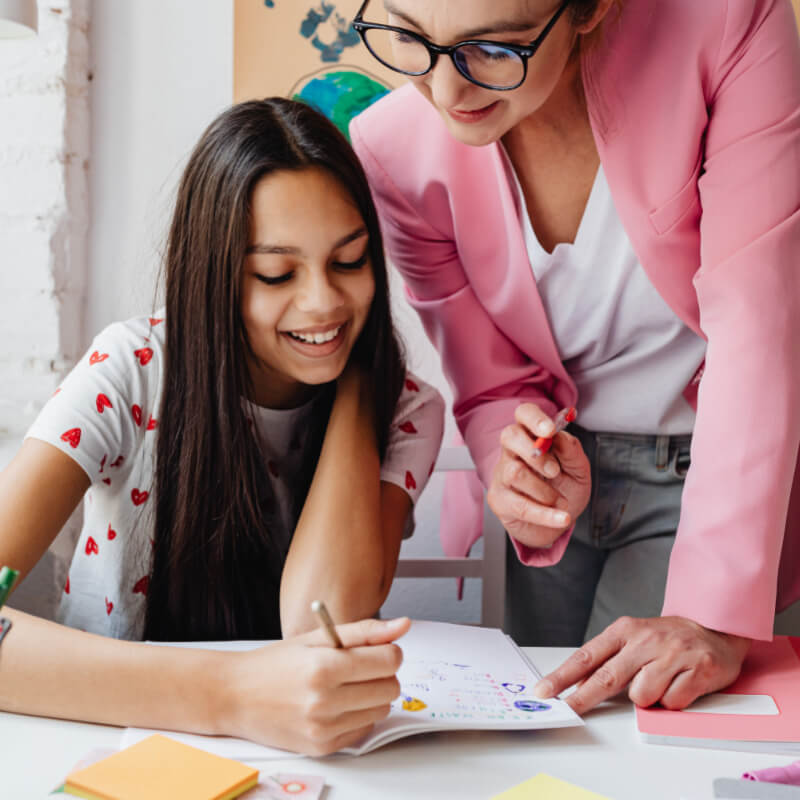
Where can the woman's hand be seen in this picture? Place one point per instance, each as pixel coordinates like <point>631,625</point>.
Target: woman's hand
<point>304,695</point>
<point>537,498</point>
<point>670,660</point>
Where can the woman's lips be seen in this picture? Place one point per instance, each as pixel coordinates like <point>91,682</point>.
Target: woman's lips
<point>478,115</point>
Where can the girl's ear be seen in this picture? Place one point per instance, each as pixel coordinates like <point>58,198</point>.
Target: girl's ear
<point>603,7</point>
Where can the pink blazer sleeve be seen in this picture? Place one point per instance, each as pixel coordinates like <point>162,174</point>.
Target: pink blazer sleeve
<point>489,375</point>
<point>745,443</point>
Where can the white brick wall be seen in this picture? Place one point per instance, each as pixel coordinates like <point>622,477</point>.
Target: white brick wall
<point>44,157</point>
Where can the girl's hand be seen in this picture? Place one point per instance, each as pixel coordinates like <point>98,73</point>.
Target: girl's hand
<point>537,498</point>
<point>304,695</point>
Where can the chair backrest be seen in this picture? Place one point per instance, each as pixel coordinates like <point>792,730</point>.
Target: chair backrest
<point>490,567</point>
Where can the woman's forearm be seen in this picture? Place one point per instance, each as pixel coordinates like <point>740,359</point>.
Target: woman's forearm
<point>337,553</point>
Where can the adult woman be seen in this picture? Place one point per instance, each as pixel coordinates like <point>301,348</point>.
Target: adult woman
<point>611,213</point>
<point>242,453</point>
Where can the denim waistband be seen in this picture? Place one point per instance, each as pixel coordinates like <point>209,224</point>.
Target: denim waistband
<point>631,449</point>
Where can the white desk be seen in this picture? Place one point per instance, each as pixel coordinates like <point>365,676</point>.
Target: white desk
<point>605,756</point>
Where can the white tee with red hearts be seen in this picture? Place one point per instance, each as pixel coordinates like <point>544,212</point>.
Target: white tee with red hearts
<point>104,416</point>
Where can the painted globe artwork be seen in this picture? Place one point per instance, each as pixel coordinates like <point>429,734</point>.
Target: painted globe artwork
<point>340,93</point>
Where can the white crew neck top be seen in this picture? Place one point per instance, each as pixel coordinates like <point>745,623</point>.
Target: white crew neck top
<point>629,354</point>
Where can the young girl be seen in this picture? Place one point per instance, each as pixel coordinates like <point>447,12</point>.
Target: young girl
<point>253,446</point>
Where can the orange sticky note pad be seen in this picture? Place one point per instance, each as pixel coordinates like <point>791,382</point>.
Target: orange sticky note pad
<point>159,768</point>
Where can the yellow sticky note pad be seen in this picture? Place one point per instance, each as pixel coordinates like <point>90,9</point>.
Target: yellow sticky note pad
<point>546,787</point>
<point>159,768</point>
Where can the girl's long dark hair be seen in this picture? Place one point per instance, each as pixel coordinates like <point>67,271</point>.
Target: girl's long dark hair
<point>217,557</point>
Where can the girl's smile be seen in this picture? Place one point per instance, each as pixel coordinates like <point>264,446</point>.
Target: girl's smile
<point>320,341</point>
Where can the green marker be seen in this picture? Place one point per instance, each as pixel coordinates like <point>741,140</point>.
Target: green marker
<point>7,578</point>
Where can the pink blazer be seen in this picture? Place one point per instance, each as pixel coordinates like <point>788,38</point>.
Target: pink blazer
<point>696,113</point>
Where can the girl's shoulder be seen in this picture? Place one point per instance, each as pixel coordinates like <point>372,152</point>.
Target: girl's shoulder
<point>415,437</point>
<point>107,405</point>
<point>418,398</point>
<point>128,356</point>
<point>137,339</point>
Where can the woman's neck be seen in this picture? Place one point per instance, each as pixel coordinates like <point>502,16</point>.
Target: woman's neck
<point>561,120</point>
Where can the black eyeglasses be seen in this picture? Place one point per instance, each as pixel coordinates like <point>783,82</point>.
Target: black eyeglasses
<point>492,65</point>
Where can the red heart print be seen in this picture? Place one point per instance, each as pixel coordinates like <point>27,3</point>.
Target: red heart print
<point>411,386</point>
<point>56,391</point>
<point>107,481</point>
<point>408,427</point>
<point>103,402</point>
<point>97,357</point>
<point>103,462</point>
<point>109,607</point>
<point>139,497</point>
<point>141,586</point>
<point>91,547</point>
<point>112,534</point>
<point>410,482</point>
<point>136,410</point>
<point>152,424</point>
<point>144,354</point>
<point>73,436</point>
<point>118,462</point>
<point>273,468</point>
<point>155,321</point>
<point>66,586</point>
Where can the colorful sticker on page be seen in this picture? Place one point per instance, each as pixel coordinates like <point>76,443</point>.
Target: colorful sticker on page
<point>458,692</point>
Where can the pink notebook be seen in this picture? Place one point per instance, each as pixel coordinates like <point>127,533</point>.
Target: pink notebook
<point>769,685</point>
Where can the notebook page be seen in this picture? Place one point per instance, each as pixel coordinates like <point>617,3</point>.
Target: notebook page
<point>464,677</point>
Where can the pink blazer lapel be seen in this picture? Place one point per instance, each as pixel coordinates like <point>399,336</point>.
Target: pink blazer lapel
<point>494,256</point>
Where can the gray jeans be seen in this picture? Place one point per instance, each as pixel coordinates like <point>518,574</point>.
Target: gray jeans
<point>616,561</point>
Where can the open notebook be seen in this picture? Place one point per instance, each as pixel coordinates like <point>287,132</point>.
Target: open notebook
<point>453,677</point>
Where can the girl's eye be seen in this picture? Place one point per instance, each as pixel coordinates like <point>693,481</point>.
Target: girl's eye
<point>273,281</point>
<point>357,264</point>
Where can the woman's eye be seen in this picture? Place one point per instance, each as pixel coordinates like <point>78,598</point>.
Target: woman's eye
<point>403,38</point>
<point>357,264</point>
<point>270,281</point>
<point>495,53</point>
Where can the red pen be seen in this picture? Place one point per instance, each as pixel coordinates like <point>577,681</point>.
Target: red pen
<point>562,419</point>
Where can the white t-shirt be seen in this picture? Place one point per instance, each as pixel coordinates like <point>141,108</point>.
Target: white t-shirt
<point>104,416</point>
<point>629,354</point>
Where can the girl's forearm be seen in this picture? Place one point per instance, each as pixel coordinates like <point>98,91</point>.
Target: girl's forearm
<point>50,670</point>
<point>337,553</point>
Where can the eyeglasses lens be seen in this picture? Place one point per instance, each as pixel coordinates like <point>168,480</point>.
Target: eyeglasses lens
<point>398,51</point>
<point>488,64</point>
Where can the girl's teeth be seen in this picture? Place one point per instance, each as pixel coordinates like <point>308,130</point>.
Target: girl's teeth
<point>317,338</point>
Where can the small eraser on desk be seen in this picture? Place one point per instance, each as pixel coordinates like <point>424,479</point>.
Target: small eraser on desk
<point>788,774</point>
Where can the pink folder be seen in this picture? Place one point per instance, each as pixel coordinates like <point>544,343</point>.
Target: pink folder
<point>771,668</point>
